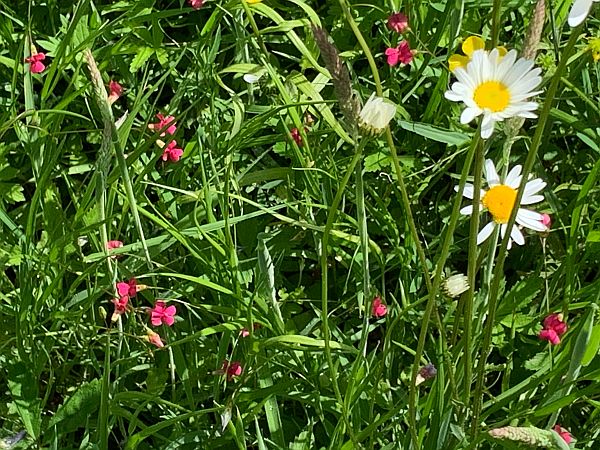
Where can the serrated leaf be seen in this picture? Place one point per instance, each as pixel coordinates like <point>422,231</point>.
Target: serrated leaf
<point>537,362</point>
<point>75,411</point>
<point>140,58</point>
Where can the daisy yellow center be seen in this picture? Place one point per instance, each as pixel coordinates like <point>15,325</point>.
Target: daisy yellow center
<point>492,95</point>
<point>499,201</point>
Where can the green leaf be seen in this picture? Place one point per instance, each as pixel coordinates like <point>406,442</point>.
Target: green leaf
<point>436,133</point>
<point>76,410</point>
<point>592,349</point>
<point>140,58</point>
<point>23,387</point>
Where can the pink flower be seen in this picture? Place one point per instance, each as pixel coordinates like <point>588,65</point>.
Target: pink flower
<point>550,336</point>
<point>196,4</point>
<point>121,306</point>
<point>296,136</point>
<point>162,314</point>
<point>129,288</point>
<point>555,322</point>
<point>563,434</point>
<point>554,328</point>
<point>401,54</point>
<point>154,338</point>
<point>35,62</point>
<point>172,152</point>
<point>110,245</point>
<point>546,220</point>
<point>244,331</point>
<point>168,122</point>
<point>378,309</point>
<point>232,370</point>
<point>115,91</point>
<point>398,22</point>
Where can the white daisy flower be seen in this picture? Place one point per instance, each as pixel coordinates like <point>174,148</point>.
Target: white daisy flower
<point>376,114</point>
<point>499,201</point>
<point>497,87</point>
<point>579,11</point>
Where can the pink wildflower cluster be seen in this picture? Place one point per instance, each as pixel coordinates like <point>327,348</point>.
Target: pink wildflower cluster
<point>35,62</point>
<point>554,328</point>
<point>166,124</point>
<point>402,53</point>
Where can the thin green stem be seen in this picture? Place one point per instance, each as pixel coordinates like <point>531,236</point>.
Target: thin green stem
<point>324,283</point>
<point>471,273</point>
<point>412,398</point>
<point>499,267</point>
<point>496,14</point>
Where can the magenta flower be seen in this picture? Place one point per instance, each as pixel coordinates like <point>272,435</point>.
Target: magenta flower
<point>378,309</point>
<point>244,331</point>
<point>546,221</point>
<point>554,328</point>
<point>232,370</point>
<point>129,288</point>
<point>114,91</point>
<point>196,4</point>
<point>398,22</point>
<point>563,434</point>
<point>162,314</point>
<point>296,136</point>
<point>110,245</point>
<point>121,306</point>
<point>401,54</point>
<point>164,122</point>
<point>550,336</point>
<point>35,62</point>
<point>172,152</point>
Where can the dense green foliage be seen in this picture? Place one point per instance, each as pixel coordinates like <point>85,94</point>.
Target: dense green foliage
<point>232,234</point>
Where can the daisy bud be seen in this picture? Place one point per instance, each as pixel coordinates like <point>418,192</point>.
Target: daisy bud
<point>375,115</point>
<point>455,285</point>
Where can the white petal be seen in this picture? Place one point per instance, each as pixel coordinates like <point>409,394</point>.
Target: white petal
<point>529,214</point>
<point>579,11</point>
<point>469,114</point>
<point>453,96</point>
<point>485,232</point>
<point>534,186</point>
<point>491,176</point>
<point>527,222</point>
<point>503,230</point>
<point>513,179</point>
<point>531,199</point>
<point>517,236</point>
<point>467,210</point>
<point>487,126</point>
